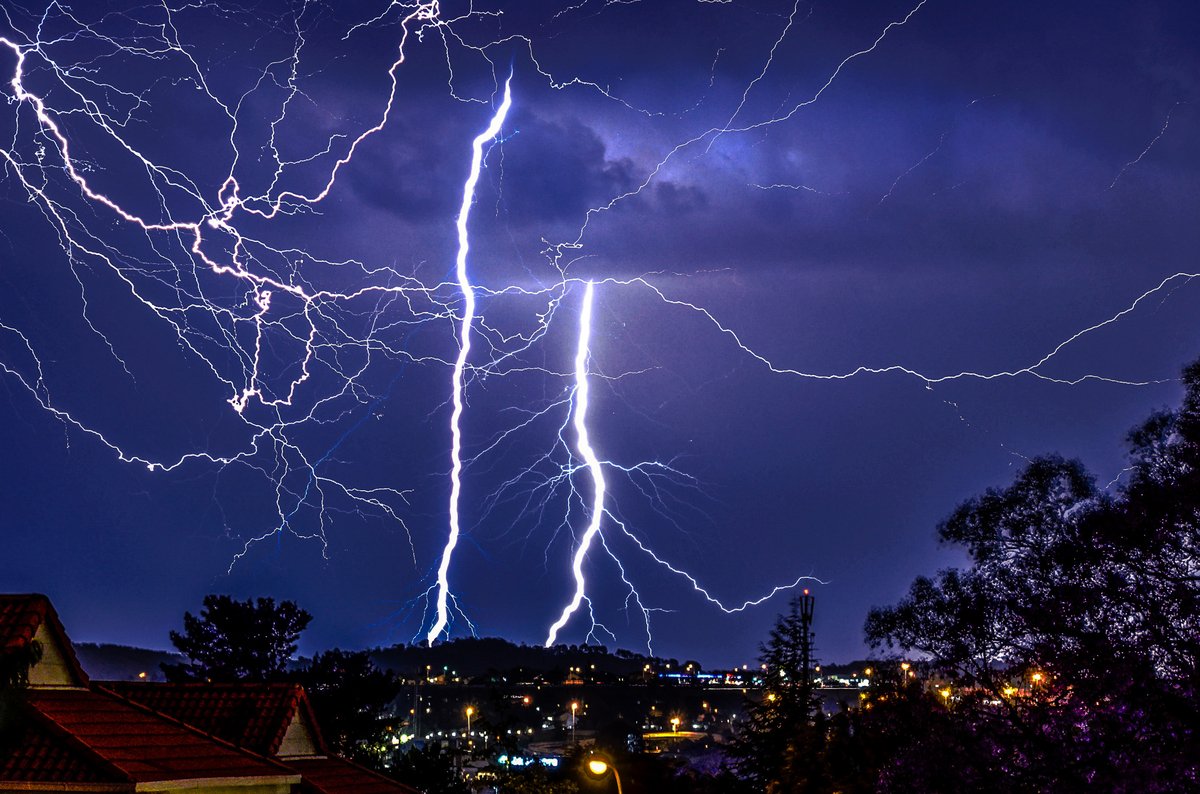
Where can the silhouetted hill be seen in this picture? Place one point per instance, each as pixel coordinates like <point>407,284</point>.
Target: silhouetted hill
<point>472,657</point>
<point>467,658</point>
<point>105,662</point>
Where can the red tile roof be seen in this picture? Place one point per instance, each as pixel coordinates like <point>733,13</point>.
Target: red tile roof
<point>20,617</point>
<point>253,716</point>
<point>142,745</point>
<point>41,752</point>
<point>333,775</point>
<point>113,736</point>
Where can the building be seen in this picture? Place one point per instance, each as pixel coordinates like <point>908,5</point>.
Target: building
<point>76,735</point>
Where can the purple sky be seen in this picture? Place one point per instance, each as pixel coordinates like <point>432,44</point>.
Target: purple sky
<point>959,193</point>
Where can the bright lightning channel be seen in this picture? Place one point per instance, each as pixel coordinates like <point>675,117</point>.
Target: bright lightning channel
<point>583,445</point>
<point>460,364</point>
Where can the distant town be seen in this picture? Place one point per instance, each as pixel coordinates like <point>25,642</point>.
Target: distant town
<point>492,701</point>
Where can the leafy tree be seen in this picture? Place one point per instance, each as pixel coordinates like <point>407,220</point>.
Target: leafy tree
<point>237,640</point>
<point>534,779</point>
<point>1071,642</point>
<point>350,696</point>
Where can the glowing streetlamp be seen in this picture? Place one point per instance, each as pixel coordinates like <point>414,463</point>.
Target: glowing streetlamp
<point>598,767</point>
<point>574,708</point>
<point>674,724</point>
<point>470,711</point>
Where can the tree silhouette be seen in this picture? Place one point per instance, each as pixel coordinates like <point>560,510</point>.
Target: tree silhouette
<point>349,695</point>
<point>237,640</point>
<point>1071,642</point>
<point>779,747</point>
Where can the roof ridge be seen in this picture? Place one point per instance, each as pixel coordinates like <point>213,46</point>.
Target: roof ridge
<point>368,770</point>
<point>302,700</point>
<point>291,707</point>
<point>78,744</point>
<point>276,702</point>
<point>101,690</point>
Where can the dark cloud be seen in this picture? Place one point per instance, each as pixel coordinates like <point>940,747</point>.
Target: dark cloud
<point>554,170</point>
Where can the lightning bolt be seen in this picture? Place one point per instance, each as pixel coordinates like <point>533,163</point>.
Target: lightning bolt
<point>460,363</point>
<point>583,445</point>
<point>239,303</point>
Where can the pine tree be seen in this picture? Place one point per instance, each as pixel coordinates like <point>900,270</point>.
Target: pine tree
<point>779,747</point>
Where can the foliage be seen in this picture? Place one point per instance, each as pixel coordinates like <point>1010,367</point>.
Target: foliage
<point>350,696</point>
<point>1071,642</point>
<point>784,729</point>
<point>535,779</point>
<point>15,663</point>
<point>237,640</point>
<point>430,770</point>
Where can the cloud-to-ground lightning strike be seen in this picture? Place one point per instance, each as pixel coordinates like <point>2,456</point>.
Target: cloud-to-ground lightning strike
<point>464,351</point>
<point>296,339</point>
<point>583,445</point>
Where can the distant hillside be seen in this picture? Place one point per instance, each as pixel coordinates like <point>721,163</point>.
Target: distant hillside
<point>472,657</point>
<point>468,658</point>
<point>104,662</point>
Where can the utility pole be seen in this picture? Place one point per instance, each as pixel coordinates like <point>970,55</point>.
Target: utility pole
<point>806,648</point>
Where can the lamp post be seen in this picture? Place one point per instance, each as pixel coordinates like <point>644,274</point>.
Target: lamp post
<point>574,708</point>
<point>598,767</point>
<point>470,711</point>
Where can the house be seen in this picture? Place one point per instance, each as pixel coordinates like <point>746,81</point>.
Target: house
<point>78,735</point>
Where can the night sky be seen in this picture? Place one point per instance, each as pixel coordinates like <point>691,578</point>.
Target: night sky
<point>766,194</point>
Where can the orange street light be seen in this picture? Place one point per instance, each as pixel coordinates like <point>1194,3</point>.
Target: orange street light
<point>598,767</point>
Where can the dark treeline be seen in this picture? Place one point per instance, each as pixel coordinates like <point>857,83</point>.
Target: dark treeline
<point>1063,659</point>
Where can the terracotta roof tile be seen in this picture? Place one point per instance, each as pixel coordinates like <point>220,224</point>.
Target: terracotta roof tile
<point>142,745</point>
<point>333,775</point>
<point>20,616</point>
<point>253,716</point>
<point>41,752</point>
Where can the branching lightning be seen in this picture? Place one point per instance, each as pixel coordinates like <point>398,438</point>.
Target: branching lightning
<point>297,339</point>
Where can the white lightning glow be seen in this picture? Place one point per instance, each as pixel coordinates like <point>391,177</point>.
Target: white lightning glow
<point>583,445</point>
<point>293,349</point>
<point>460,363</point>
